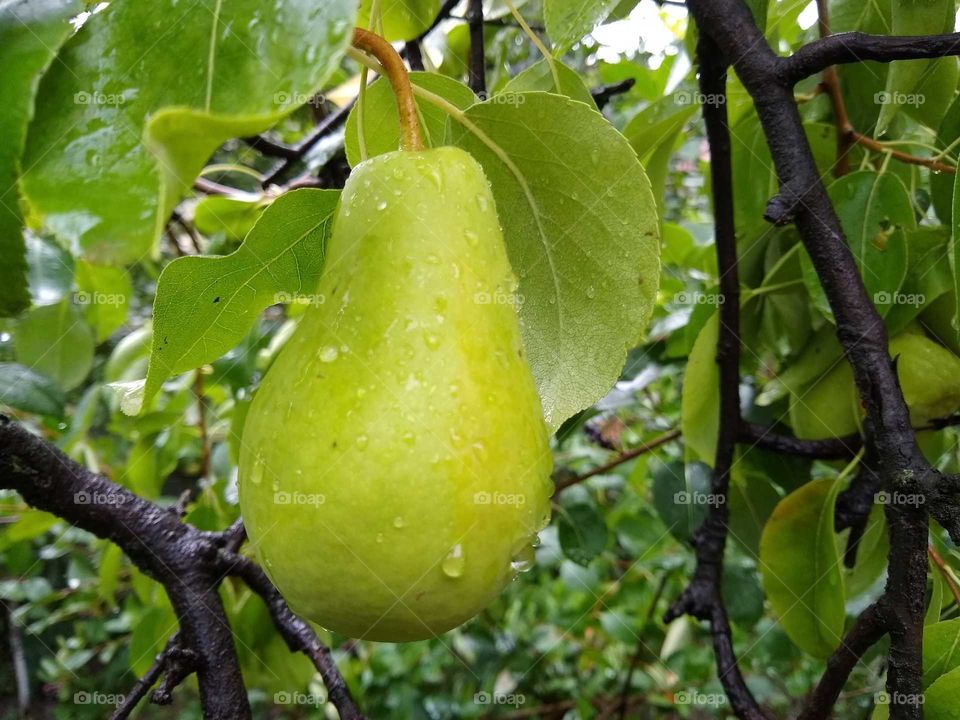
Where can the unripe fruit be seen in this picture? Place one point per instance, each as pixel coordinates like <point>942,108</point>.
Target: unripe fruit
<point>395,466</point>
<point>929,377</point>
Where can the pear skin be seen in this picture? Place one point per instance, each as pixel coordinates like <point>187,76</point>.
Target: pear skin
<point>395,466</point>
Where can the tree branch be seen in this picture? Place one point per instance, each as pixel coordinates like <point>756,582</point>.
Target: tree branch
<point>860,330</point>
<point>478,63</point>
<point>703,597</point>
<point>866,633</point>
<point>855,47</point>
<point>183,559</point>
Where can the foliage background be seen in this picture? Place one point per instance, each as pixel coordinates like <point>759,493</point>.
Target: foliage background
<point>584,626</point>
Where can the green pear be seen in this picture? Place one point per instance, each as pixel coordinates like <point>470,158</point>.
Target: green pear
<point>395,465</point>
<point>929,377</point>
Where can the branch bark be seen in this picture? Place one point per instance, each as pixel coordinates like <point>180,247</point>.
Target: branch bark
<point>186,561</point>
<point>703,597</point>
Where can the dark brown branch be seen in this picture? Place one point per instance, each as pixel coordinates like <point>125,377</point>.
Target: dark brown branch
<point>866,633</point>
<point>143,685</point>
<point>855,47</point>
<point>478,63</point>
<point>830,449</point>
<point>297,633</point>
<point>860,330</point>
<point>605,93</point>
<point>703,597</point>
<point>331,123</point>
<point>180,557</point>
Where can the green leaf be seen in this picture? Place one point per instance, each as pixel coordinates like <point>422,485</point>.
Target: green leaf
<point>941,649</point>
<point>801,568</point>
<point>874,210</point>
<point>871,554</point>
<point>752,497</point>
<point>150,633</point>
<point>90,175</point>
<point>942,699</point>
<point>30,33</point>
<point>55,341</point>
<point>205,305</point>
<point>700,403</point>
<point>912,17</point>
<point>230,216</point>
<point>941,184</point>
<point>680,495</point>
<point>954,254</point>
<point>568,21</point>
<point>539,76</point>
<point>742,594</point>
<point>402,19</point>
<point>581,230</point>
<point>24,389</point>
<point>861,82</point>
<point>104,294</point>
<point>31,524</point>
<point>582,532</point>
<point>938,591</point>
<point>381,121</point>
<point>51,270</point>
<point>109,573</point>
<point>928,276</point>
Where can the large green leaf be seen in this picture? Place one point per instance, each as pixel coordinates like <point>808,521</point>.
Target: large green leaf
<point>581,229</point>
<point>569,20</point>
<point>54,340</point>
<point>941,649</point>
<point>381,121</point>
<point>30,33</point>
<point>24,389</point>
<point>700,404</point>
<point>913,17</point>
<point>875,211</point>
<point>173,77</point>
<point>954,254</point>
<point>801,568</point>
<point>205,305</point>
<point>681,496</point>
<point>402,19</point>
<point>539,76</point>
<point>941,700</point>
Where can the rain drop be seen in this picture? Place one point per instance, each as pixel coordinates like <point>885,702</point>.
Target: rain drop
<point>328,354</point>
<point>454,562</point>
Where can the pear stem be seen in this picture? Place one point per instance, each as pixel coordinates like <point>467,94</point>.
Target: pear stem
<point>411,137</point>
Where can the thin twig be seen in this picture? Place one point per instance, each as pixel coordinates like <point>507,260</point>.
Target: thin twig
<point>620,460</point>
